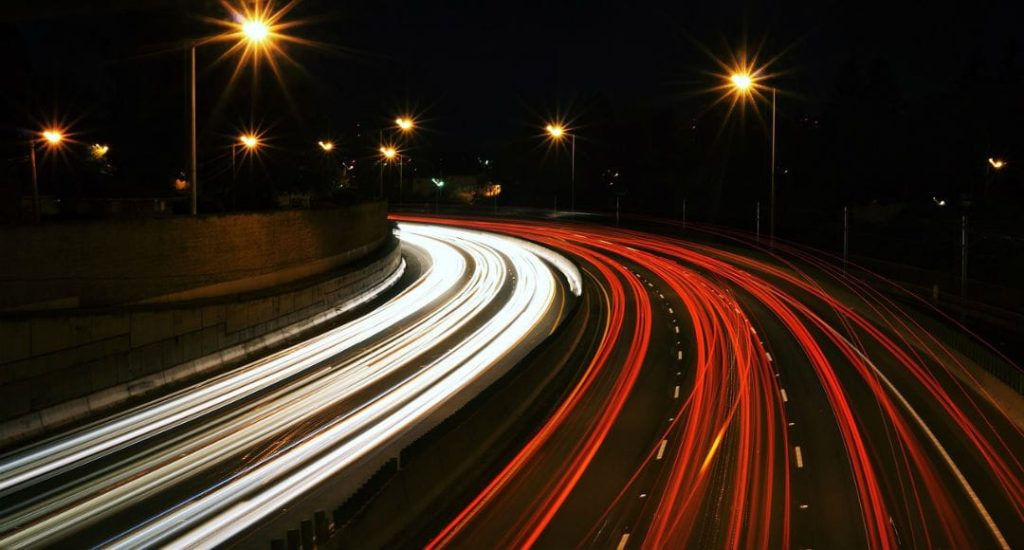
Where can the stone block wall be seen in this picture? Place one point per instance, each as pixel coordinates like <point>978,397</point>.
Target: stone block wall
<point>58,367</point>
<point>117,262</point>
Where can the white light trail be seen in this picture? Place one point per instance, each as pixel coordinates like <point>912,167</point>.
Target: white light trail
<point>439,308</point>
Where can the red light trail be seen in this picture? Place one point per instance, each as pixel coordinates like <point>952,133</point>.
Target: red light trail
<point>931,458</point>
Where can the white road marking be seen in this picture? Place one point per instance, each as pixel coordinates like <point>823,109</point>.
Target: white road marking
<point>622,541</point>
<point>670,311</point>
<point>675,394</point>
<point>677,329</point>
<point>769,356</point>
<point>942,450</point>
<point>679,355</point>
<point>785,398</point>
<point>799,457</point>
<point>661,449</point>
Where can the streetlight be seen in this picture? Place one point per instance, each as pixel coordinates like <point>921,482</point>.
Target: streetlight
<point>254,31</point>
<point>99,151</point>
<point>745,83</point>
<point>389,153</point>
<point>406,125</point>
<point>995,165</point>
<point>557,132</point>
<point>53,138</point>
<point>327,147</point>
<point>439,183</point>
<point>250,141</point>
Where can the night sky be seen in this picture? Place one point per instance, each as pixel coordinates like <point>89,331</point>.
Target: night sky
<point>482,78</point>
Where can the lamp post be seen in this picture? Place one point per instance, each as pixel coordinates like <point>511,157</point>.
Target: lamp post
<point>251,142</point>
<point>52,138</point>
<point>388,152</point>
<point>744,84</point>
<point>405,125</point>
<point>557,132</point>
<point>994,166</point>
<point>253,31</point>
<point>439,183</point>
<point>328,147</point>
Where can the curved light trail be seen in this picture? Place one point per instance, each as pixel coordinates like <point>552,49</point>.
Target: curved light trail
<point>248,442</point>
<point>806,409</point>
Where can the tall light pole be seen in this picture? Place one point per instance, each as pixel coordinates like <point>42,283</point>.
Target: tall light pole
<point>327,146</point>
<point>251,142</point>
<point>192,163</point>
<point>744,84</point>
<point>405,125</point>
<point>557,132</point>
<point>52,137</point>
<point>252,31</point>
<point>388,152</point>
<point>994,166</point>
<point>439,183</point>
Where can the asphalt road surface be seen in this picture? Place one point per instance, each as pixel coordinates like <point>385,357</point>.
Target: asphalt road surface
<point>750,397</point>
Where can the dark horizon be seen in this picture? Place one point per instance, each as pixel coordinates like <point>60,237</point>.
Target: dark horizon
<point>635,82</point>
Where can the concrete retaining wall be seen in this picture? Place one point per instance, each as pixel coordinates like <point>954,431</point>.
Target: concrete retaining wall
<point>56,368</point>
<point>116,262</point>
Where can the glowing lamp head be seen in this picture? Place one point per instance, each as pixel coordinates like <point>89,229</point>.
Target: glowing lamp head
<point>326,145</point>
<point>556,131</point>
<point>53,136</point>
<point>389,152</point>
<point>99,151</point>
<point>998,164</point>
<point>250,141</point>
<point>255,30</point>
<point>741,81</point>
<point>404,123</point>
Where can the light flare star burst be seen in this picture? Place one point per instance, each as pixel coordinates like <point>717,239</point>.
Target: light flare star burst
<point>259,32</point>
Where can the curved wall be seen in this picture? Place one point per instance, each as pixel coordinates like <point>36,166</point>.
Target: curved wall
<point>112,262</point>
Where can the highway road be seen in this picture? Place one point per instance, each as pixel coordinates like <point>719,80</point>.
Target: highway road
<point>749,397</point>
<point>206,464</point>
